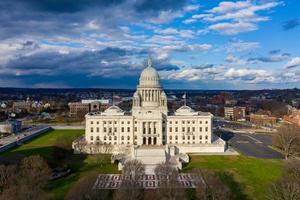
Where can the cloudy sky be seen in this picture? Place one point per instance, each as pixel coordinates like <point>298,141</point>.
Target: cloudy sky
<point>205,44</point>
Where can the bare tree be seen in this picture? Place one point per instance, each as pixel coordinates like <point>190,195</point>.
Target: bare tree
<point>130,189</point>
<point>287,139</point>
<point>83,190</point>
<point>169,187</point>
<point>26,181</point>
<point>288,187</point>
<point>211,187</point>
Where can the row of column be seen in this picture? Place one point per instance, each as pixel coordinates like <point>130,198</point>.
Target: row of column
<point>149,127</point>
<point>150,95</point>
<point>149,140</point>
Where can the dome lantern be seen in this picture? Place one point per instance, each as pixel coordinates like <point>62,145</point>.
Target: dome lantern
<point>149,77</point>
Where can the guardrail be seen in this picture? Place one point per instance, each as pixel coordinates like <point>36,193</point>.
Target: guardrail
<point>15,143</point>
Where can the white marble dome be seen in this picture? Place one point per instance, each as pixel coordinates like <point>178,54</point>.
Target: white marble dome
<point>149,77</point>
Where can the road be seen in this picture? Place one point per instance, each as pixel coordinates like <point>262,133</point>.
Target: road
<point>15,137</point>
<point>257,145</point>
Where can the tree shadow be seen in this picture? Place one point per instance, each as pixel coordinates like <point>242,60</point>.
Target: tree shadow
<point>55,157</point>
<point>235,187</point>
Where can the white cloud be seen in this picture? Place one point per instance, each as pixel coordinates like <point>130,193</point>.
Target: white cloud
<point>236,45</point>
<point>227,28</point>
<point>295,62</point>
<point>173,31</point>
<point>191,8</point>
<point>189,21</point>
<point>166,17</point>
<point>231,18</point>
<point>250,75</point>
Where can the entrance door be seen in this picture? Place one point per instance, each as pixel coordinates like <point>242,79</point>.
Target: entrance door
<point>149,141</point>
<point>154,140</point>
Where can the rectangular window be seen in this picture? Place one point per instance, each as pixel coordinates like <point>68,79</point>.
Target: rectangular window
<point>176,129</point>
<point>97,129</point>
<point>92,129</point>
<point>128,129</point>
<point>104,129</point>
<point>206,129</point>
<point>183,129</point>
<point>170,129</point>
<point>200,129</point>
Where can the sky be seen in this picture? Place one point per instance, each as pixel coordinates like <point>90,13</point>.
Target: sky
<point>205,44</point>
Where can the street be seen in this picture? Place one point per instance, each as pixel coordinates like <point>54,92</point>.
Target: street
<point>257,145</point>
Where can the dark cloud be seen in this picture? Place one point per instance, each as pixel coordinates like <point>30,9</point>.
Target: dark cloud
<point>68,6</point>
<point>275,51</point>
<point>204,66</point>
<point>155,5</point>
<point>106,62</point>
<point>68,17</point>
<point>268,59</point>
<point>30,45</point>
<point>290,24</point>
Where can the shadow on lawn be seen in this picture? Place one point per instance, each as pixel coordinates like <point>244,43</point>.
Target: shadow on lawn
<point>235,187</point>
<point>55,156</point>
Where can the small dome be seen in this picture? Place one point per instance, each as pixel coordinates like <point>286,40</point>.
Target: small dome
<point>149,77</point>
<point>136,94</point>
<point>185,110</point>
<point>113,110</point>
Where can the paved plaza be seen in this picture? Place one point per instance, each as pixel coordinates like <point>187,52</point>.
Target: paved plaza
<point>113,181</point>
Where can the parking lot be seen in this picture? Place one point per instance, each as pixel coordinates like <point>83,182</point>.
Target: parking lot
<point>257,145</point>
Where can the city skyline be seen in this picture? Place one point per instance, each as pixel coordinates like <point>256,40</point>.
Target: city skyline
<point>194,44</point>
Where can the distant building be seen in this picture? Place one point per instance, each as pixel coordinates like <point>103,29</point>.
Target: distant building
<point>102,101</point>
<point>80,109</point>
<point>22,106</point>
<point>263,120</point>
<point>10,126</point>
<point>235,113</point>
<point>293,117</point>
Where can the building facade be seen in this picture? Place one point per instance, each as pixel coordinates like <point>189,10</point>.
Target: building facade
<point>235,113</point>
<point>262,120</point>
<point>10,126</point>
<point>149,122</point>
<point>293,117</point>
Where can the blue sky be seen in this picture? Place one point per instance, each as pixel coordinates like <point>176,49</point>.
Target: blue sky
<point>251,44</point>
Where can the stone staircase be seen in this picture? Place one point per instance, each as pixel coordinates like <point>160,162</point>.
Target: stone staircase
<point>150,156</point>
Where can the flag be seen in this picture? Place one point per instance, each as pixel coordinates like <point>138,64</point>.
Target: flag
<point>184,96</point>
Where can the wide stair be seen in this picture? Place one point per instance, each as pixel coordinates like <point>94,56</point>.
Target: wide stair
<point>150,157</point>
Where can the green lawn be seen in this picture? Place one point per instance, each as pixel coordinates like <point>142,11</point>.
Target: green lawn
<point>81,165</point>
<point>248,177</point>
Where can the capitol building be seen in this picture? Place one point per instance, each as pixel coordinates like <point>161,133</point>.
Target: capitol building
<point>150,132</point>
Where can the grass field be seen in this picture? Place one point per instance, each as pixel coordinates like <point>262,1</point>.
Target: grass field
<point>45,146</point>
<point>247,177</point>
